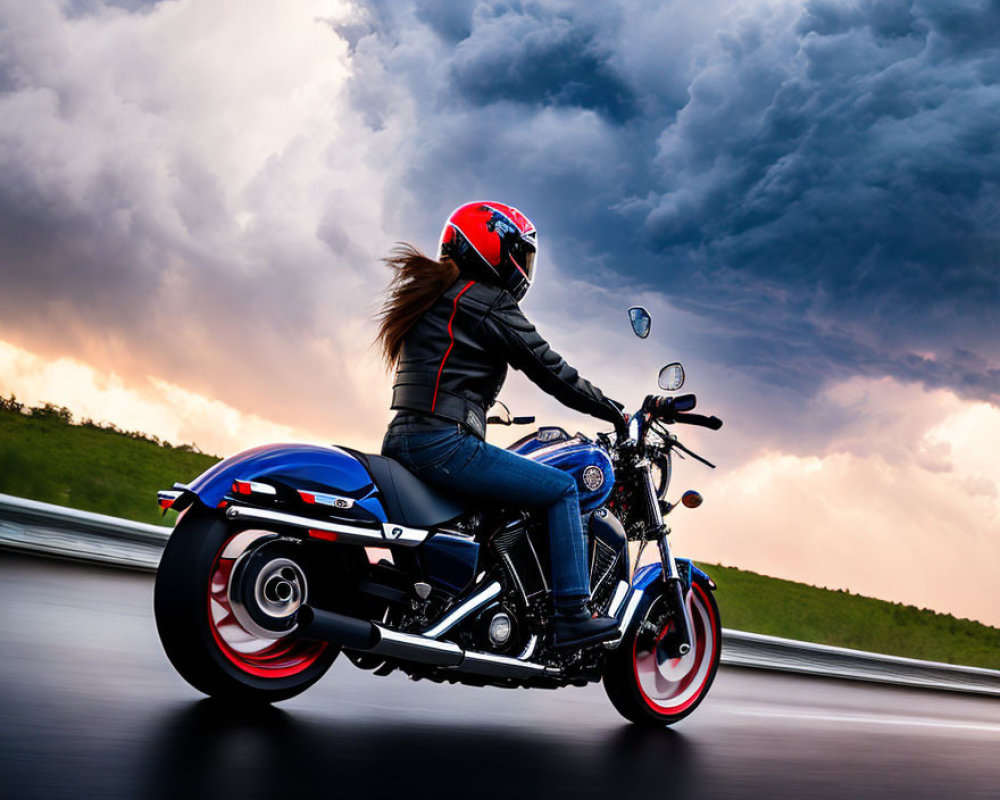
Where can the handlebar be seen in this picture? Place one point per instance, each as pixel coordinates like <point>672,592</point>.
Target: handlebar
<point>675,409</point>
<point>712,423</point>
<point>666,407</point>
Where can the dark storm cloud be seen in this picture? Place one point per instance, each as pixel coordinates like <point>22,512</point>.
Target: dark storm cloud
<point>853,186</point>
<point>538,58</point>
<point>818,183</point>
<point>826,190</point>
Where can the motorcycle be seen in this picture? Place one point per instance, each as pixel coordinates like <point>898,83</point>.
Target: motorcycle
<point>285,556</point>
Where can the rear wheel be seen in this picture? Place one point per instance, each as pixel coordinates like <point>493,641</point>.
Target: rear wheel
<point>649,688</point>
<point>225,604</point>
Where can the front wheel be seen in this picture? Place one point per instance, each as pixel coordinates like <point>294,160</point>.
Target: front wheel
<point>649,688</point>
<point>222,598</point>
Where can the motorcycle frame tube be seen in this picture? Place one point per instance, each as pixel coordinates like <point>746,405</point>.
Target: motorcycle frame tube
<point>462,610</point>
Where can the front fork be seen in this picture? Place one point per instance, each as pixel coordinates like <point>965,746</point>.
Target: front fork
<point>677,642</point>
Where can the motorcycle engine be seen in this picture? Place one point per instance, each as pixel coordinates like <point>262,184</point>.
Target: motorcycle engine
<point>515,549</point>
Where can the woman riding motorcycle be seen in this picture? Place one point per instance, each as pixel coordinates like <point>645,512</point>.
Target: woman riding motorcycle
<point>451,327</point>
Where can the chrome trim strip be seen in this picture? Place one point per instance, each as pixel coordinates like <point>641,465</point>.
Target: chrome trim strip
<point>462,610</point>
<point>412,647</point>
<point>621,591</point>
<point>325,499</point>
<point>346,534</point>
<point>403,535</point>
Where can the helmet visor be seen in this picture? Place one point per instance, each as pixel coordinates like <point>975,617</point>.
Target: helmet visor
<point>529,264</point>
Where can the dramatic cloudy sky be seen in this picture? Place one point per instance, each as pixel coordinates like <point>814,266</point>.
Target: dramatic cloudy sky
<point>194,196</point>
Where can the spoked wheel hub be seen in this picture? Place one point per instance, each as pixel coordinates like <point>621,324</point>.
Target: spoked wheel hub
<point>255,592</point>
<point>671,684</point>
<point>280,588</point>
<point>265,591</point>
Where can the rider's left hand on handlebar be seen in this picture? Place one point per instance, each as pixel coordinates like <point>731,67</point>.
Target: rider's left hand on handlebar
<point>620,418</point>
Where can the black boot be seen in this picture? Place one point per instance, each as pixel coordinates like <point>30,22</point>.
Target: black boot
<point>574,625</point>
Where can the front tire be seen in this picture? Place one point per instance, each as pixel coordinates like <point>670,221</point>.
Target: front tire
<point>202,634</point>
<point>656,691</point>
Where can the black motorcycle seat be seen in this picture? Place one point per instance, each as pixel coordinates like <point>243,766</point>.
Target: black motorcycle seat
<point>407,499</point>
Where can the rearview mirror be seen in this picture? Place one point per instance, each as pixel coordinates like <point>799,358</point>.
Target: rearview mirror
<point>640,321</point>
<point>671,377</point>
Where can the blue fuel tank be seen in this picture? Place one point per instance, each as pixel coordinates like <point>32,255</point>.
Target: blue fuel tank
<point>577,455</point>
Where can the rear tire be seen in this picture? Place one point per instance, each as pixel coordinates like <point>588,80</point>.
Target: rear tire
<point>652,694</point>
<point>201,636</point>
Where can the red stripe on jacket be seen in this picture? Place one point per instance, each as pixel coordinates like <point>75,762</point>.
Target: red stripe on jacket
<point>454,310</point>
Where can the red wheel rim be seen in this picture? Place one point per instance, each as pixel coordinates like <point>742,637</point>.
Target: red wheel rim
<point>674,686</point>
<point>263,658</point>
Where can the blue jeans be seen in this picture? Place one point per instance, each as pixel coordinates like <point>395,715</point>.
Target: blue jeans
<point>456,461</point>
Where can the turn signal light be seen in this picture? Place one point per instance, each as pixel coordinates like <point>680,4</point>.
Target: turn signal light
<point>692,499</point>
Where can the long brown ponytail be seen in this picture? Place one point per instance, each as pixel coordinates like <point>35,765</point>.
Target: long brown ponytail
<point>417,282</point>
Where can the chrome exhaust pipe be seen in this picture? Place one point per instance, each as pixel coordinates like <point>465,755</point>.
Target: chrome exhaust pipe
<point>369,637</point>
<point>498,666</point>
<point>338,629</point>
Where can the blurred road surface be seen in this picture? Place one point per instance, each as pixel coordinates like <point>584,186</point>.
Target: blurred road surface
<point>90,707</point>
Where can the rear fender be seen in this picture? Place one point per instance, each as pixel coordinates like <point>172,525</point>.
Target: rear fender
<point>300,475</point>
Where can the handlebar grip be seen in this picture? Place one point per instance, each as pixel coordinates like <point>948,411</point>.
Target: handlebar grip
<point>685,402</point>
<point>522,421</point>
<point>712,423</point>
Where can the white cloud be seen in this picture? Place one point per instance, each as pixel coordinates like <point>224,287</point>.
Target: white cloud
<point>188,189</point>
<point>152,406</point>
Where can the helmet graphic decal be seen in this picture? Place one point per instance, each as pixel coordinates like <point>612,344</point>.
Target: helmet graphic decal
<point>492,242</point>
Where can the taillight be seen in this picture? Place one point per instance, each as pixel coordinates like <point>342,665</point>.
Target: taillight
<point>165,499</point>
<point>253,487</point>
<point>318,498</point>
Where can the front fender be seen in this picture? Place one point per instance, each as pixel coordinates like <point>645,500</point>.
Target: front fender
<point>647,575</point>
<point>307,467</point>
<point>647,585</point>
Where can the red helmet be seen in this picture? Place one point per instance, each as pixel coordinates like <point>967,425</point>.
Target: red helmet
<point>492,242</point>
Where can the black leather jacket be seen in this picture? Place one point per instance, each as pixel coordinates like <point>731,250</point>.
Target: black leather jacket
<point>454,360</point>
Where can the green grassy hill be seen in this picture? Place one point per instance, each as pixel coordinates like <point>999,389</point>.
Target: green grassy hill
<point>44,457</point>
<point>760,604</point>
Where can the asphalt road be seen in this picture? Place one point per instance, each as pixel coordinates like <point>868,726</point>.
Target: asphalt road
<point>90,707</point>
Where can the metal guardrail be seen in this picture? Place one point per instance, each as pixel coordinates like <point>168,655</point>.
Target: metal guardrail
<point>67,533</point>
<point>740,648</point>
